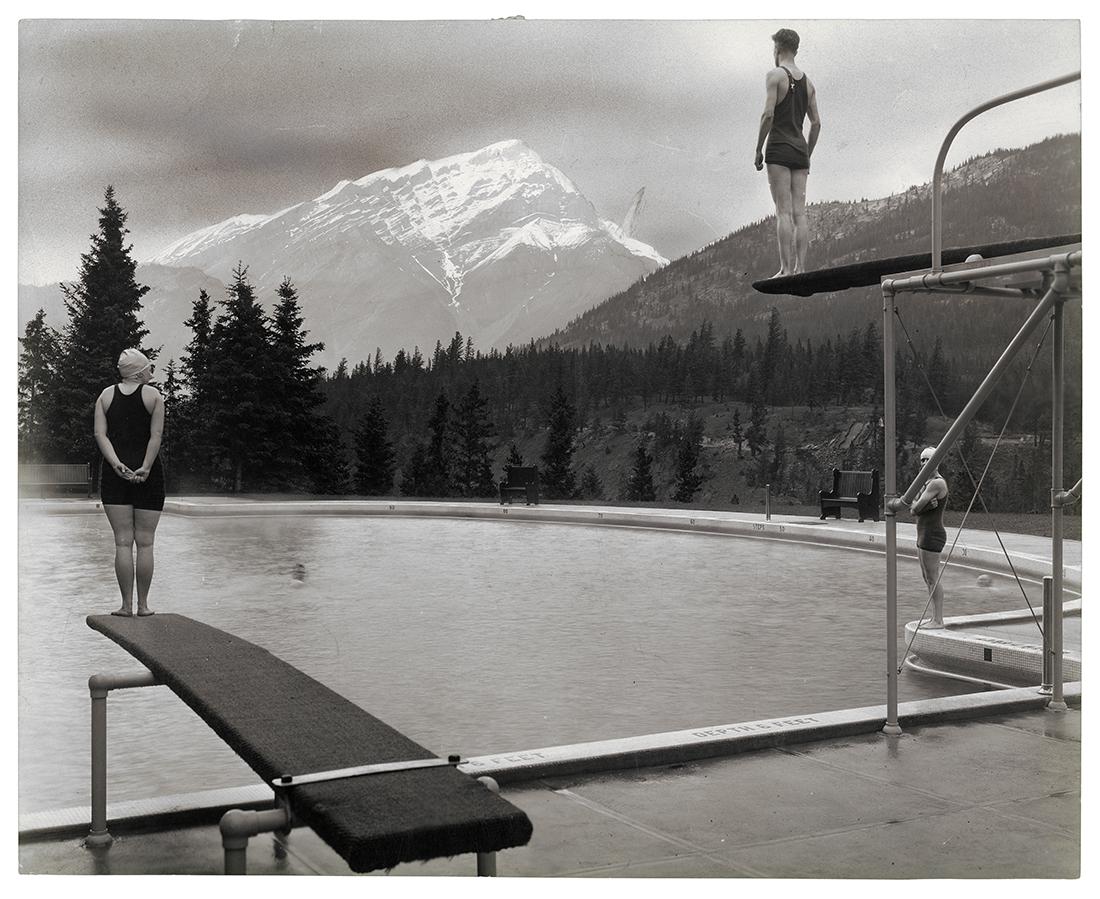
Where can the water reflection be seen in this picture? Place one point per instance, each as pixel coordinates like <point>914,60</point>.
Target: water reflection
<point>471,637</point>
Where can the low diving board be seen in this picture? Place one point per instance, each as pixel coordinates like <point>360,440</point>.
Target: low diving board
<point>872,271</point>
<point>283,722</point>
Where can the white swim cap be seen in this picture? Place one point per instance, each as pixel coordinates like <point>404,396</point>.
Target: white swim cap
<point>132,362</point>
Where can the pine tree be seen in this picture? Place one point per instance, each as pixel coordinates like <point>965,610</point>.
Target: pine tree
<point>305,453</point>
<point>374,455</point>
<point>103,307</point>
<point>473,473</point>
<point>779,452</point>
<point>640,487</point>
<point>738,434</point>
<point>755,435</point>
<point>557,477</point>
<point>248,425</point>
<point>193,451</point>
<point>37,376</point>
<point>591,485</point>
<point>688,479</point>
<point>438,461</point>
<point>171,390</point>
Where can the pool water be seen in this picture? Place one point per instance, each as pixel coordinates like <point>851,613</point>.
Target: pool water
<point>472,637</point>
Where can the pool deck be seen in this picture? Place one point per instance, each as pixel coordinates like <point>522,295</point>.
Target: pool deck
<point>973,788</point>
<point>993,797</point>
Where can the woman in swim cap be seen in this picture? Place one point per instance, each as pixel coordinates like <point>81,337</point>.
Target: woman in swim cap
<point>931,535</point>
<point>129,422</point>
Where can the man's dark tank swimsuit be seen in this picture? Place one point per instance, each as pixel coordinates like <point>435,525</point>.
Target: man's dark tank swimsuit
<point>786,144</point>
<point>930,531</point>
<point>128,430</point>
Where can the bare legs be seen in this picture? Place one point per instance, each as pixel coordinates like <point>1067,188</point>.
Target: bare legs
<point>798,213</point>
<point>929,569</point>
<point>788,189</point>
<point>132,526</point>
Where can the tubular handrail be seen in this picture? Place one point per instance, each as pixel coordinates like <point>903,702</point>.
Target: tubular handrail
<point>937,175</point>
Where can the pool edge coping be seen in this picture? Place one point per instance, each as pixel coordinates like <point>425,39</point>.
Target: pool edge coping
<point>577,759</point>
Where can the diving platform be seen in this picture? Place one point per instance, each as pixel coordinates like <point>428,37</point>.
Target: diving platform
<point>375,796</point>
<point>871,272</point>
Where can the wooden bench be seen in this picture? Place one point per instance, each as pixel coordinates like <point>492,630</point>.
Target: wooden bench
<point>521,481</point>
<point>374,795</point>
<point>64,474</point>
<point>858,490</point>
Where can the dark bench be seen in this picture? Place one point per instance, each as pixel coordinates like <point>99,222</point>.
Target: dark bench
<point>521,481</point>
<point>374,795</point>
<point>858,490</point>
<point>56,474</point>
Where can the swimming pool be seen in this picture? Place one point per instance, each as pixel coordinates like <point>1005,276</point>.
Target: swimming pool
<point>472,637</point>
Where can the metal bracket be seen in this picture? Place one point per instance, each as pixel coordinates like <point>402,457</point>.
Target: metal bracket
<point>296,780</point>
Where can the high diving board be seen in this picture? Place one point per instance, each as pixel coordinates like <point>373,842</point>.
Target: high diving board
<point>283,722</point>
<point>871,272</point>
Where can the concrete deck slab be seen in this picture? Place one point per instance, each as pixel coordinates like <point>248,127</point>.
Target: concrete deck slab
<point>995,797</point>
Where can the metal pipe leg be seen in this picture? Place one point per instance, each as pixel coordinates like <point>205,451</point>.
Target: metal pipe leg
<point>238,826</point>
<point>487,861</point>
<point>99,686</point>
<point>486,864</point>
<point>98,837</point>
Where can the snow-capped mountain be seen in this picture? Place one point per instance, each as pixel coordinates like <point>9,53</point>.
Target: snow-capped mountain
<point>495,243</point>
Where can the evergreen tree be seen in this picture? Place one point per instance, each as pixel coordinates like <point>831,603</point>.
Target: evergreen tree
<point>103,307</point>
<point>436,479</point>
<point>688,479</point>
<point>755,435</point>
<point>171,390</point>
<point>414,475</point>
<point>374,455</point>
<point>473,473</point>
<point>557,477</point>
<point>773,352</point>
<point>306,453</point>
<point>640,487</point>
<point>738,434</point>
<point>37,376</point>
<point>247,424</point>
<point>779,452</point>
<point>193,451</point>
<point>591,485</point>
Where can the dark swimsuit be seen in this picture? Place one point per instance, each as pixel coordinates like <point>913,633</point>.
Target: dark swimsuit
<point>786,144</point>
<point>128,430</point>
<point>930,531</point>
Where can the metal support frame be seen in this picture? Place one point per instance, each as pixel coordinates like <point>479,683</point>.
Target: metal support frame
<point>1059,286</point>
<point>1058,403</point>
<point>99,685</point>
<point>937,175</point>
<point>238,826</point>
<point>1047,686</point>
<point>487,861</point>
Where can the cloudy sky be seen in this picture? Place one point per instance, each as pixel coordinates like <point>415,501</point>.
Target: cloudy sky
<point>195,121</point>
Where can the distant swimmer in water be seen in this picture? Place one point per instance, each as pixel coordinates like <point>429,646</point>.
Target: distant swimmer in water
<point>299,574</point>
<point>129,422</point>
<point>931,535</point>
<point>789,98</point>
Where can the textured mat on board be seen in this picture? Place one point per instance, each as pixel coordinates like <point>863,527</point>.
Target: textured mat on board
<point>282,721</point>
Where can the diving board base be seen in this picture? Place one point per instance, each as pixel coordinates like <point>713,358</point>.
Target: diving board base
<point>278,719</point>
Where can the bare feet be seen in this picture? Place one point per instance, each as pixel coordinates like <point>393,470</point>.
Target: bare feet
<point>124,612</point>
<point>780,274</point>
<point>145,613</point>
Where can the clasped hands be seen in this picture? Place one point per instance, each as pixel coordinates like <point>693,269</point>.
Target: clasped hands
<point>135,477</point>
